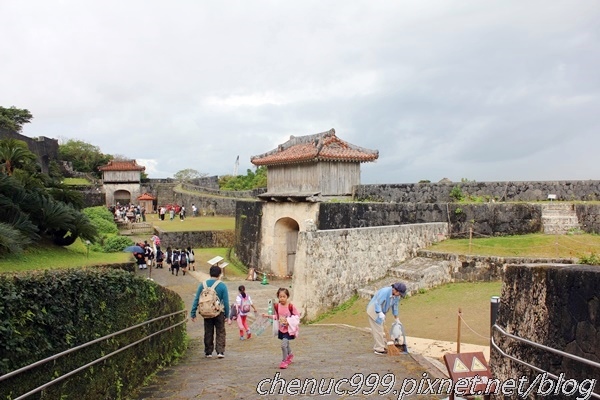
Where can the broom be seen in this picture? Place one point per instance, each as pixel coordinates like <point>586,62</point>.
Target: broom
<point>392,350</point>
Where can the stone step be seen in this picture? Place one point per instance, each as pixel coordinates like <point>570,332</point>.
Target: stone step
<point>560,229</point>
<point>558,212</point>
<point>561,220</point>
<point>417,273</point>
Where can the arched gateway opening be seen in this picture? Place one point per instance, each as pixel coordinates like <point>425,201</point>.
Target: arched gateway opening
<point>286,242</point>
<point>122,197</point>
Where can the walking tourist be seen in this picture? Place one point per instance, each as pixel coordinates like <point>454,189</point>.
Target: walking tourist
<point>244,304</point>
<point>287,321</point>
<point>213,325</point>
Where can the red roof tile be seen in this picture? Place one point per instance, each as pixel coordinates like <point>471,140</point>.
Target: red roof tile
<point>146,196</point>
<point>323,146</point>
<point>129,165</point>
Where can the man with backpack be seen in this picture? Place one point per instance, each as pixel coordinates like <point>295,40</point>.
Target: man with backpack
<point>212,303</point>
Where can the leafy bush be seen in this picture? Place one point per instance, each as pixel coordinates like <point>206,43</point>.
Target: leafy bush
<point>115,243</point>
<point>591,259</point>
<point>46,313</point>
<point>99,212</point>
<point>457,194</point>
<point>104,227</point>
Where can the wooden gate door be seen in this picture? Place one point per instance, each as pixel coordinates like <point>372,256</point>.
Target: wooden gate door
<point>291,245</point>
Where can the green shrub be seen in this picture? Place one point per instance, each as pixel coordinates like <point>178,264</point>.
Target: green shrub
<point>99,212</point>
<point>591,259</point>
<point>115,243</point>
<point>456,194</point>
<point>45,313</point>
<point>104,227</point>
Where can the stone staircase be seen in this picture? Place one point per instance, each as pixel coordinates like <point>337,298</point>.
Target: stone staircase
<point>559,218</point>
<point>417,273</point>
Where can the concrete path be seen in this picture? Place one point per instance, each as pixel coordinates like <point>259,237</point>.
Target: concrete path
<point>324,355</point>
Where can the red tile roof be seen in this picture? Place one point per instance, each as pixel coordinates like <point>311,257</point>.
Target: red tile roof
<point>129,165</point>
<point>146,196</point>
<point>323,146</point>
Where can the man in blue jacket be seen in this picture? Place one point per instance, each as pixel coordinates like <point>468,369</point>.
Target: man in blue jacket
<point>384,299</point>
<point>215,324</point>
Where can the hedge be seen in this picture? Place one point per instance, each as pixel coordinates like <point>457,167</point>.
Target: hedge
<point>43,313</point>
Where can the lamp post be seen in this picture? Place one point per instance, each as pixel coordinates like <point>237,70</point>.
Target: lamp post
<point>87,245</point>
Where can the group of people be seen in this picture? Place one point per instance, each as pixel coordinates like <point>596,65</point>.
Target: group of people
<point>129,213</point>
<point>175,209</point>
<point>285,316</point>
<point>178,259</point>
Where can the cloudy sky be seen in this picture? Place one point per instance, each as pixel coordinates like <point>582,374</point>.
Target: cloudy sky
<point>482,90</point>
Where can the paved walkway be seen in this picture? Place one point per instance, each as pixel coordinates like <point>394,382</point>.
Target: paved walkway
<point>326,354</point>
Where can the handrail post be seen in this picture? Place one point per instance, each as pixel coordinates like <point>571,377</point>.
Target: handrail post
<point>458,334</point>
<point>494,307</point>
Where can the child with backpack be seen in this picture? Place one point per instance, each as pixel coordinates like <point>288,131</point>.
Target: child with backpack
<point>175,263</point>
<point>191,258</point>
<point>183,261</point>
<point>243,304</point>
<point>287,319</point>
<point>169,258</point>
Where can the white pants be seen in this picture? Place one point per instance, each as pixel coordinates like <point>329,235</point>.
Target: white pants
<point>376,330</point>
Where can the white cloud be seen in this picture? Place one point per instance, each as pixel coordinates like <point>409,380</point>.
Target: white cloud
<point>441,88</point>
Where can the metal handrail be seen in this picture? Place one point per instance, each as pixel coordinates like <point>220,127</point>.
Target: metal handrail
<point>55,356</point>
<point>540,346</point>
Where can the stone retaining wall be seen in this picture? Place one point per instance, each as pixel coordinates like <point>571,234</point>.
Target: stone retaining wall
<point>553,305</point>
<point>491,219</point>
<point>325,259</point>
<point>500,191</point>
<point>473,268</point>
<point>196,239</point>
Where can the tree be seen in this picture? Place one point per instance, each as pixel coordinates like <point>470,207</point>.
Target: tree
<point>14,154</point>
<point>252,180</point>
<point>12,119</point>
<point>189,174</point>
<point>85,157</point>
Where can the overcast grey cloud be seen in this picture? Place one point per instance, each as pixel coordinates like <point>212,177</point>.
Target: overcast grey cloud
<point>482,90</point>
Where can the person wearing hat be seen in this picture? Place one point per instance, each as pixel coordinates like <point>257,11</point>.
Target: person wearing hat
<point>384,299</point>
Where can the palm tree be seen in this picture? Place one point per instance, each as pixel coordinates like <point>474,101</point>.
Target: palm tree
<point>14,154</point>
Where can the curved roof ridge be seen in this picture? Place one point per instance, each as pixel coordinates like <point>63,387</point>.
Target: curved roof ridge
<point>324,146</point>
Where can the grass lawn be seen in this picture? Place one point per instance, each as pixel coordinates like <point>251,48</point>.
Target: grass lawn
<point>434,313</point>
<point>192,224</point>
<point>47,256</point>
<point>76,181</point>
<point>534,245</point>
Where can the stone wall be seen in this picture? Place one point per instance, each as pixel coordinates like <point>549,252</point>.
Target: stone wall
<point>325,259</point>
<point>248,218</point>
<point>491,219</point>
<point>500,191</point>
<point>554,305</point>
<point>196,239</point>
<point>243,194</point>
<point>44,148</point>
<point>208,205</point>
<point>589,217</point>
<point>472,268</point>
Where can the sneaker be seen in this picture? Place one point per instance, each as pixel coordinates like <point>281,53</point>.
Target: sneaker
<point>284,364</point>
<point>381,352</point>
<point>208,355</point>
<point>242,338</point>
<point>289,358</point>
<point>220,355</point>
